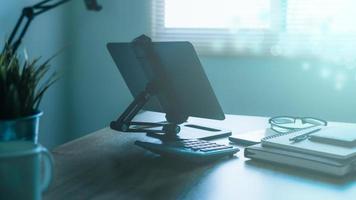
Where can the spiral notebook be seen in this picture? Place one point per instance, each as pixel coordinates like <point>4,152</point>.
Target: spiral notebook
<point>316,148</point>
<point>301,160</point>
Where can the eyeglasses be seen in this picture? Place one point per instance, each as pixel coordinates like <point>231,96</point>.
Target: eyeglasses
<point>285,124</point>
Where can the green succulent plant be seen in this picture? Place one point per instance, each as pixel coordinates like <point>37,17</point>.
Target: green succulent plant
<point>22,84</point>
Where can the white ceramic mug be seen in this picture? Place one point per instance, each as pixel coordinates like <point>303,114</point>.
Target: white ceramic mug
<point>26,170</point>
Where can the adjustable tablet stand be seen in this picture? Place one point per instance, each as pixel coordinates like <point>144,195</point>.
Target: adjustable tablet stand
<point>145,53</point>
<point>125,124</point>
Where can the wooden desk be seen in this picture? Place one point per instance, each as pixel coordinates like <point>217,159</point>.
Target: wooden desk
<point>106,165</point>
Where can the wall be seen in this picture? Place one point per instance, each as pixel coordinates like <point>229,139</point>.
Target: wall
<point>98,94</point>
<point>248,86</point>
<point>275,86</point>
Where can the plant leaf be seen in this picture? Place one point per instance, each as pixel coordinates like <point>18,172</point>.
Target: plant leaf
<point>21,85</point>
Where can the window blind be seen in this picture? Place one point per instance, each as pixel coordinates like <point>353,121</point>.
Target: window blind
<point>274,27</point>
<point>219,26</point>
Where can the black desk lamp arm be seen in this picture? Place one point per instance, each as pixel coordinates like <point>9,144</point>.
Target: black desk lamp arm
<point>31,12</point>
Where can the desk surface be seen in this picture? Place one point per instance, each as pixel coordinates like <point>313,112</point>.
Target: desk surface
<point>106,165</point>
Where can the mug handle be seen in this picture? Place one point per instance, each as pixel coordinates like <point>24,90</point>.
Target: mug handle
<point>48,169</point>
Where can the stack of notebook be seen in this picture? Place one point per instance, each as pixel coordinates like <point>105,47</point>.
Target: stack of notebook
<point>330,150</point>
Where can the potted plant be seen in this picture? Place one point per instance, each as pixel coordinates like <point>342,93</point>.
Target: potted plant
<point>21,84</point>
<point>21,90</point>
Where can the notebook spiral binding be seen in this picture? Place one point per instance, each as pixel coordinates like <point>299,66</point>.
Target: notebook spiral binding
<point>276,135</point>
<point>282,134</point>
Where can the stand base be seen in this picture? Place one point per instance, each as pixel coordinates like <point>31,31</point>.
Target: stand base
<point>191,131</point>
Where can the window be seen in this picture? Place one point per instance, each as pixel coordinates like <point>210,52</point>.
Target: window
<point>273,27</point>
<point>253,14</point>
<point>324,28</point>
<point>215,26</point>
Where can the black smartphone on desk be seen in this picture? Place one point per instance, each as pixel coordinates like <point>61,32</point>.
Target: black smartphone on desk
<point>251,137</point>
